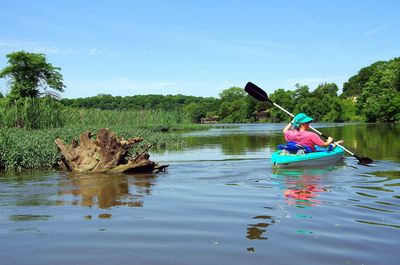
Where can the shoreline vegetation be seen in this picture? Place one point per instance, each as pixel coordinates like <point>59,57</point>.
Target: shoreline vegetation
<point>27,147</point>
<point>32,116</point>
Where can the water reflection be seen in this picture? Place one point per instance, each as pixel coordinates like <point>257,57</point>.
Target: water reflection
<point>302,187</point>
<point>256,231</point>
<point>377,141</point>
<point>299,192</point>
<point>29,217</point>
<point>237,144</point>
<point>106,191</point>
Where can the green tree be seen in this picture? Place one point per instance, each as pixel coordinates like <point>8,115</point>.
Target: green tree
<point>28,72</point>
<point>380,97</point>
<point>302,98</point>
<point>195,111</point>
<point>232,94</point>
<point>326,104</point>
<point>235,105</point>
<point>284,99</point>
<point>356,83</point>
<point>349,110</point>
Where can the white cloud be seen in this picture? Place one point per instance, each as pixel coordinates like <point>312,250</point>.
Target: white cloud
<point>242,45</point>
<point>93,52</point>
<point>118,87</point>
<point>234,44</point>
<point>376,30</point>
<point>7,46</point>
<point>100,52</point>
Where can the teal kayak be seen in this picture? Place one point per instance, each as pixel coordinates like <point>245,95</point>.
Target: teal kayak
<point>282,159</point>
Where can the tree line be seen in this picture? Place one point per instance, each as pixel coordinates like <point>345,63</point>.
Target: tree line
<point>371,95</point>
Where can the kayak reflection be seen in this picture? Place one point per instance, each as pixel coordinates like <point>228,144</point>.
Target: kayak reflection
<point>302,194</point>
<point>303,187</point>
<point>107,190</point>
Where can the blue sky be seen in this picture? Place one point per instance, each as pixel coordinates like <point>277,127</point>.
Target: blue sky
<point>200,47</point>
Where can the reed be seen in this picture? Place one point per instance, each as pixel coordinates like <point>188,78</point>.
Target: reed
<point>157,120</point>
<point>31,113</point>
<point>22,149</point>
<point>45,113</point>
<point>28,128</point>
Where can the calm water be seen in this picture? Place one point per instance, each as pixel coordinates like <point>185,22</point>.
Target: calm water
<point>220,202</point>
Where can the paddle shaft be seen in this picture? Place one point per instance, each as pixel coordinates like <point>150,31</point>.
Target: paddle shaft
<point>312,128</point>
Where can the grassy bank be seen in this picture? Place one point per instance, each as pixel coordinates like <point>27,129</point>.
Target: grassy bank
<point>22,149</point>
<point>29,127</point>
<point>45,113</point>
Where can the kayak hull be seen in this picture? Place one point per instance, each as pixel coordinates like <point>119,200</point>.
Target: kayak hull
<point>315,159</point>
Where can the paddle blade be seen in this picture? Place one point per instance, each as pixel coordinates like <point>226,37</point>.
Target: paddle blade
<point>256,92</point>
<point>363,160</point>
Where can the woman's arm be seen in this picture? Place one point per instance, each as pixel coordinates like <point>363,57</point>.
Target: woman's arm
<point>316,140</point>
<point>328,141</point>
<point>287,128</point>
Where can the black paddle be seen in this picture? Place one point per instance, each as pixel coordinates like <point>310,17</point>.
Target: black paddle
<point>261,95</point>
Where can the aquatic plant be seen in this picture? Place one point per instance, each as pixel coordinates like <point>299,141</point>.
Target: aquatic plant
<point>35,149</point>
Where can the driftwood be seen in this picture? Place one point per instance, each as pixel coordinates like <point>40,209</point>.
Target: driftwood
<point>107,154</point>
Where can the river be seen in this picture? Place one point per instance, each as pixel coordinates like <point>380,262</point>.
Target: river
<point>219,202</point>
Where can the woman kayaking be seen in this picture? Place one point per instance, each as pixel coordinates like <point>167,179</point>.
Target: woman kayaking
<point>302,136</point>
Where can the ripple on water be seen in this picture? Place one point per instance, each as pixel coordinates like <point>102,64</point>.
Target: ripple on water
<point>216,212</point>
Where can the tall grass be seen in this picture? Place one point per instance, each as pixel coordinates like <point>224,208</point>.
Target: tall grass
<point>31,113</point>
<point>45,113</point>
<point>35,149</point>
<point>28,128</point>
<point>156,120</point>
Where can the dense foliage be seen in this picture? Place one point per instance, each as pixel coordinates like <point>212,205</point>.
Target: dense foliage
<point>379,99</point>
<point>28,72</point>
<point>371,95</point>
<point>195,107</point>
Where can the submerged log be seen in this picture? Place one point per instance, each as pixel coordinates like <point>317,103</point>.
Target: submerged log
<point>108,153</point>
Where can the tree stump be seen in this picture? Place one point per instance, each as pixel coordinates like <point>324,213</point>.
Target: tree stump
<point>107,154</point>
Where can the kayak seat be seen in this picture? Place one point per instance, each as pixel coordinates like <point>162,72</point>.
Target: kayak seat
<point>294,148</point>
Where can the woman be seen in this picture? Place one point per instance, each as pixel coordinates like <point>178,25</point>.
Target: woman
<point>301,135</point>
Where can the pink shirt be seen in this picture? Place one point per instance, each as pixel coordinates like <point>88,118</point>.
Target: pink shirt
<point>304,138</point>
